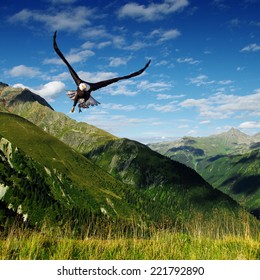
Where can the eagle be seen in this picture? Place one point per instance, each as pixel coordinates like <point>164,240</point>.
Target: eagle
<point>82,94</point>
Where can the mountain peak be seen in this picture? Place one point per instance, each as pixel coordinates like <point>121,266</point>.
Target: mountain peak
<point>235,136</point>
<point>235,132</point>
<point>13,96</point>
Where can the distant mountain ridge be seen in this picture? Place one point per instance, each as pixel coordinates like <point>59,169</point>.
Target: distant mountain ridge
<point>229,161</point>
<point>142,183</point>
<point>231,142</point>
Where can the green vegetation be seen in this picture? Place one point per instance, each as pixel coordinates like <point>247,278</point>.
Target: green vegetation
<point>196,242</point>
<point>94,196</point>
<point>229,161</point>
<point>240,177</point>
<point>44,178</point>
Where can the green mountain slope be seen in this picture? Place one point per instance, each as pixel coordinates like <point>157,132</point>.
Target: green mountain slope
<point>236,175</point>
<point>170,184</point>
<point>229,161</point>
<point>57,175</point>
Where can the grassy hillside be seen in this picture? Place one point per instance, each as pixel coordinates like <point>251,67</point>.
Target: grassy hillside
<point>236,175</point>
<point>174,188</point>
<point>160,245</point>
<point>57,175</point>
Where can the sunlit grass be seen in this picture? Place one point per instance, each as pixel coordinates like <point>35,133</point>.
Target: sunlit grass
<point>162,245</point>
<point>197,241</point>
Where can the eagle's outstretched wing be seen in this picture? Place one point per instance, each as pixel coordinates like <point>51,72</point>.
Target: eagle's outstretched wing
<point>72,72</point>
<point>98,85</point>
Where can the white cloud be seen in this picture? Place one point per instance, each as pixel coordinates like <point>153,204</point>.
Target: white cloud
<point>96,32</point>
<point>47,91</point>
<point>161,96</point>
<point>71,19</point>
<point>205,122</point>
<point>250,124</point>
<point>188,60</point>
<point>164,35</point>
<point>169,35</point>
<point>251,48</point>
<point>222,106</point>
<point>117,61</point>
<point>94,77</point>
<point>240,68</point>
<point>154,87</point>
<point>152,11</point>
<point>225,82</point>
<point>162,63</point>
<point>135,46</point>
<point>183,126</point>
<point>162,108</point>
<point>200,80</point>
<point>121,88</point>
<point>62,76</point>
<point>103,44</point>
<point>81,56</point>
<point>114,123</point>
<point>119,107</point>
<point>23,71</point>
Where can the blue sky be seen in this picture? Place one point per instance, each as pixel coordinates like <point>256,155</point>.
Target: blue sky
<point>203,79</point>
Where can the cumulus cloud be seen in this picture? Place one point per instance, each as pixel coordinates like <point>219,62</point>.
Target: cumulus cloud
<point>250,124</point>
<point>48,91</point>
<point>23,71</point>
<point>152,11</point>
<point>70,19</point>
<point>222,106</point>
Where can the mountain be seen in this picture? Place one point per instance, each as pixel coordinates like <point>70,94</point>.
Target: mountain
<point>229,161</point>
<point>32,107</point>
<point>122,176</point>
<point>43,178</point>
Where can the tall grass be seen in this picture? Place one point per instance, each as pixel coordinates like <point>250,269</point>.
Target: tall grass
<point>198,240</point>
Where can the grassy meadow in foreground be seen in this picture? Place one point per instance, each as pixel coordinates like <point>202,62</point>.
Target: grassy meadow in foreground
<point>198,241</point>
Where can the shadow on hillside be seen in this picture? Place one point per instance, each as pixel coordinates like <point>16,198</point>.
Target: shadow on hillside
<point>247,185</point>
<point>253,157</point>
